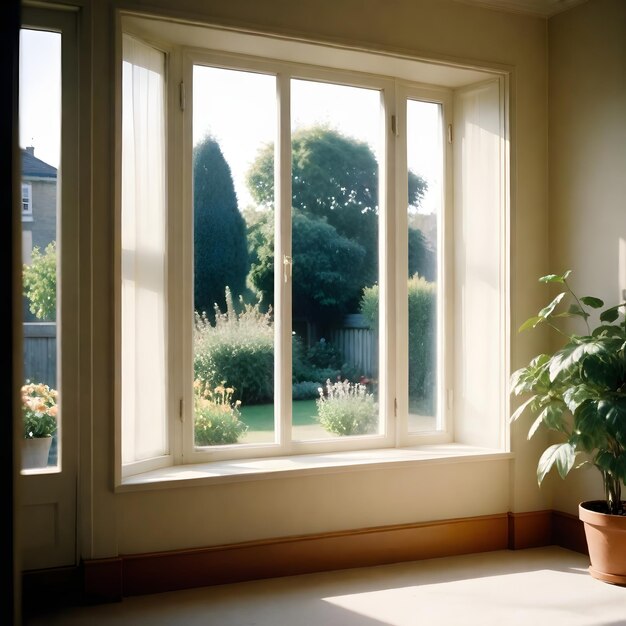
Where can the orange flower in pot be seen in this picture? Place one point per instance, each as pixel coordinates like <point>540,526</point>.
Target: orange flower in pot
<point>39,413</point>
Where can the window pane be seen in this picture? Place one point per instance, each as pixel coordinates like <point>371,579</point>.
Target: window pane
<point>234,127</point>
<point>40,138</point>
<point>335,135</point>
<point>144,382</point>
<point>425,175</point>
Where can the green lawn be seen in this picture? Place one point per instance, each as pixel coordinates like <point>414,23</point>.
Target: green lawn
<point>260,417</point>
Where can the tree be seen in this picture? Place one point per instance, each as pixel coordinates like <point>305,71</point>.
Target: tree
<point>422,258</point>
<point>327,269</point>
<point>333,177</point>
<point>220,245</point>
<point>40,282</point>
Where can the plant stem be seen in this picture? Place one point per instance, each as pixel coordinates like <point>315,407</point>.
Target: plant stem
<point>586,316</point>
<point>558,330</point>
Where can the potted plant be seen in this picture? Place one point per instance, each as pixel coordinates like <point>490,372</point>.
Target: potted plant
<point>579,391</point>
<point>39,413</point>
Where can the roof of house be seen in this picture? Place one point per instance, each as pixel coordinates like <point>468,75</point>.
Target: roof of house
<point>32,166</point>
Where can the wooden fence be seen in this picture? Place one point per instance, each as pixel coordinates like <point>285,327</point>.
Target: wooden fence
<point>358,344</point>
<point>40,353</point>
<point>356,341</point>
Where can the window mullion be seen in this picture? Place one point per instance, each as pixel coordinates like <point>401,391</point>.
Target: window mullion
<point>180,262</point>
<point>401,262</point>
<point>282,263</point>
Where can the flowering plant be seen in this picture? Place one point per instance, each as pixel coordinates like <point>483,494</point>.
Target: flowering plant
<point>39,410</point>
<point>217,418</point>
<point>346,408</point>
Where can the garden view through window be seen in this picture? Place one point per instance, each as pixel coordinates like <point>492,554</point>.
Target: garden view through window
<point>40,138</point>
<point>332,269</point>
<point>424,154</point>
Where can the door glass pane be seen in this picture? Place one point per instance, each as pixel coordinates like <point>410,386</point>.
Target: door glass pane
<point>335,173</point>
<point>234,127</point>
<point>425,175</point>
<point>40,141</point>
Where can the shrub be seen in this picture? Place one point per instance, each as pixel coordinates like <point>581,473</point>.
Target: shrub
<point>422,337</point>
<point>40,282</point>
<point>347,409</point>
<point>217,418</point>
<point>236,351</point>
<point>319,362</point>
<point>422,332</point>
<point>305,390</point>
<point>323,354</point>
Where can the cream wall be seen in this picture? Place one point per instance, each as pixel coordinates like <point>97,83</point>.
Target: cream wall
<point>587,139</point>
<point>203,516</point>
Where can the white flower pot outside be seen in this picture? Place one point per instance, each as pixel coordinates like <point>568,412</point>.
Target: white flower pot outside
<point>35,452</point>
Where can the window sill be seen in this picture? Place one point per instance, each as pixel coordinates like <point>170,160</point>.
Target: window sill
<point>245,470</point>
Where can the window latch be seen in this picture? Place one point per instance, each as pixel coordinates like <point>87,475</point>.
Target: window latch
<point>394,126</point>
<point>287,265</point>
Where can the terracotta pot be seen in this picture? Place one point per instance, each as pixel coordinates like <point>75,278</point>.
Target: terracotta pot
<point>606,540</point>
<point>35,452</point>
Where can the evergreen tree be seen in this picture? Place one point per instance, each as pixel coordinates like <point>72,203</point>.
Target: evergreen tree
<point>220,245</point>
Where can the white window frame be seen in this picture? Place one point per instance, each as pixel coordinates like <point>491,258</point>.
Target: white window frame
<point>444,433</point>
<point>27,202</point>
<point>393,397</point>
<point>282,247</point>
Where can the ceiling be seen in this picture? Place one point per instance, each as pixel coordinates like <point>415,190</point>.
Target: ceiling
<point>543,8</point>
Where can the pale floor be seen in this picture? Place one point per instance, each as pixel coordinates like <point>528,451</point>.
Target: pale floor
<point>543,586</point>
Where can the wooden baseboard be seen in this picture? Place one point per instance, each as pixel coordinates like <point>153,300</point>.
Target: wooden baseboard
<point>168,571</point>
<point>530,530</point>
<point>129,575</point>
<point>43,590</point>
<point>568,532</point>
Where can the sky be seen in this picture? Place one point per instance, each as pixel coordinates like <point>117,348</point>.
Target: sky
<point>238,109</point>
<point>40,93</point>
<point>224,108</point>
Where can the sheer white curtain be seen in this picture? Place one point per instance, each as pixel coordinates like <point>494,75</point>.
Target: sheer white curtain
<point>143,221</point>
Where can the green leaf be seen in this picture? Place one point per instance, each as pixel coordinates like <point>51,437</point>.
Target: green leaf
<point>533,429</point>
<point>594,303</point>
<point>531,322</point>
<point>575,396</point>
<point>555,278</point>
<point>547,310</point>
<point>620,467</point>
<point>572,353</point>
<point>540,360</point>
<point>613,412</point>
<point>531,378</point>
<point>602,370</point>
<point>563,454</point>
<point>589,426</point>
<point>607,331</point>
<point>610,315</point>
<point>605,460</point>
<point>574,309</point>
<point>552,414</point>
<point>521,409</point>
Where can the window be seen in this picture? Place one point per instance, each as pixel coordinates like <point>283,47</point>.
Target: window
<point>49,132</point>
<point>291,274</point>
<point>40,116</point>
<point>27,202</point>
